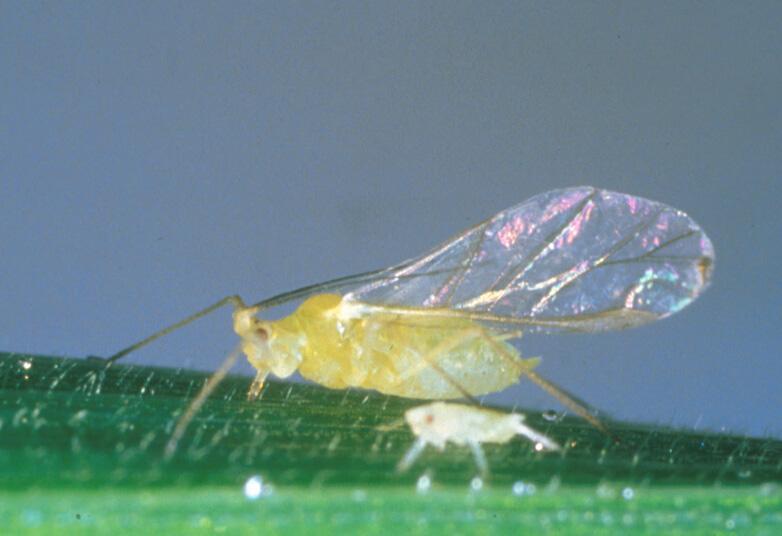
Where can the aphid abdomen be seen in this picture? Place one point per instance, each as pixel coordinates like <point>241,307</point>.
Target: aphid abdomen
<point>395,355</point>
<point>433,358</point>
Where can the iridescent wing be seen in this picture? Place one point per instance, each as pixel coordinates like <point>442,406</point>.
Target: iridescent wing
<point>577,259</point>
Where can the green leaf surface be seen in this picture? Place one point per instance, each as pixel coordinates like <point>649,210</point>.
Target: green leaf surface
<point>81,446</point>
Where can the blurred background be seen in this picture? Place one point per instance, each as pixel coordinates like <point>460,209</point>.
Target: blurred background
<point>155,157</point>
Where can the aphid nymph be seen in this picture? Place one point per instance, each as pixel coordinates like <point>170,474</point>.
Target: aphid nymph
<point>440,423</point>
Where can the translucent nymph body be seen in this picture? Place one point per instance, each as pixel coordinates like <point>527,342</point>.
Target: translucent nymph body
<point>339,343</point>
<point>439,423</point>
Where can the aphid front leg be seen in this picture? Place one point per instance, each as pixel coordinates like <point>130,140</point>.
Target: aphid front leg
<point>411,455</point>
<point>192,409</point>
<point>257,386</point>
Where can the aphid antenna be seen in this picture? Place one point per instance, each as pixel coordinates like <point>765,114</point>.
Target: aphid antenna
<point>234,300</point>
<point>238,303</point>
<point>391,426</point>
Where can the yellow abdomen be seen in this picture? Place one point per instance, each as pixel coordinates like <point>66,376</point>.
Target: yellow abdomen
<point>347,344</point>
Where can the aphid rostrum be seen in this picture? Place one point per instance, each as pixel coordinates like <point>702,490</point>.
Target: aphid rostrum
<point>438,326</point>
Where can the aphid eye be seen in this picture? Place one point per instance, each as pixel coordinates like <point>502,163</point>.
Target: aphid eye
<point>262,332</point>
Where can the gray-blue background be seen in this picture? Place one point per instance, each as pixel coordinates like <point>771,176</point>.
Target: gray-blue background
<point>156,157</point>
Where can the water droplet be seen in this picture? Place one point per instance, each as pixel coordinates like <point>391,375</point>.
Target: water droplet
<point>255,488</point>
<point>628,493</point>
<point>20,417</point>
<point>78,417</point>
<point>26,365</point>
<point>604,491</point>
<point>539,447</point>
<point>730,524</point>
<point>522,488</point>
<point>424,483</point>
<point>745,473</point>
<point>32,517</point>
<point>553,484</point>
<point>550,415</point>
<point>769,488</point>
<point>476,484</point>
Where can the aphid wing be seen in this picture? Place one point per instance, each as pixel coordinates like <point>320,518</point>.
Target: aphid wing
<point>575,259</point>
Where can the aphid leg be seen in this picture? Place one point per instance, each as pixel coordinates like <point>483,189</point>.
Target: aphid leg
<point>257,385</point>
<point>558,393</point>
<point>236,301</point>
<point>578,408</point>
<point>443,347</point>
<point>194,406</point>
<point>480,458</point>
<point>509,335</point>
<point>430,360</point>
<point>536,437</point>
<point>411,455</point>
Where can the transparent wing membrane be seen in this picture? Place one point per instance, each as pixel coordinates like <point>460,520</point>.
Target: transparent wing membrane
<point>575,259</point>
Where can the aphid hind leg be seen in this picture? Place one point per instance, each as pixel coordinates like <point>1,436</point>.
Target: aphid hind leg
<point>580,409</point>
<point>516,334</point>
<point>430,360</point>
<point>536,437</point>
<point>234,300</point>
<point>442,348</point>
<point>552,389</point>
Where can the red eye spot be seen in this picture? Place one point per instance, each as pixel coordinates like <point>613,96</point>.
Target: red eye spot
<point>429,418</point>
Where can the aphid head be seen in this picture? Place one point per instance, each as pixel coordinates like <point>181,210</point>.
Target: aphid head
<point>426,423</point>
<point>268,346</point>
<point>423,418</point>
<point>420,418</point>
